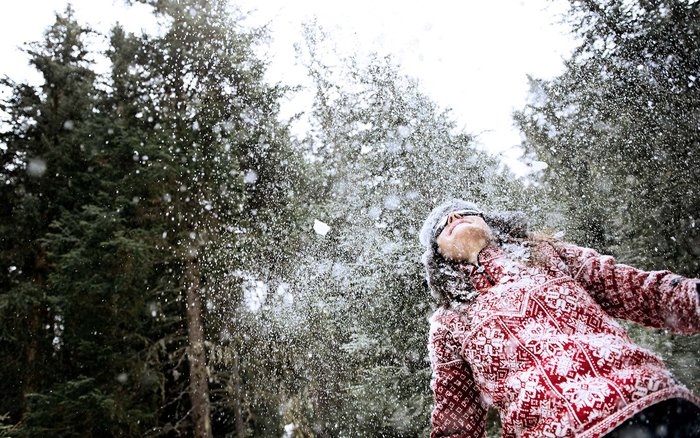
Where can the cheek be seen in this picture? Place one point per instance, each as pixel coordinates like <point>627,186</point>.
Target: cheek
<point>444,244</point>
<point>451,247</point>
<point>466,238</point>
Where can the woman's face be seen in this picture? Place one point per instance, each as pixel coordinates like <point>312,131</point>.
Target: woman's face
<point>462,236</point>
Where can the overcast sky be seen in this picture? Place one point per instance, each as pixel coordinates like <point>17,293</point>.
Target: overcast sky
<point>470,55</point>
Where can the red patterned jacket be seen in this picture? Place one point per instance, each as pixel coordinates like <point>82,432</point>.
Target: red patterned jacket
<point>542,347</point>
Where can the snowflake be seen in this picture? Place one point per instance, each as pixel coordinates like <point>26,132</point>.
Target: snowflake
<point>627,374</point>
<point>545,409</point>
<point>512,363</point>
<point>560,300</point>
<point>542,338</point>
<point>585,391</point>
<point>644,386</point>
<point>566,364</point>
<point>511,268</point>
<point>492,340</point>
<point>558,429</point>
<point>605,348</point>
<point>580,325</point>
<point>527,385</point>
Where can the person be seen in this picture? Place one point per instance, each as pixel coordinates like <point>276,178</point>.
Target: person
<point>526,324</point>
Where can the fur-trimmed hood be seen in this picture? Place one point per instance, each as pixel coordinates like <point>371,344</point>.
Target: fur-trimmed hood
<point>446,280</point>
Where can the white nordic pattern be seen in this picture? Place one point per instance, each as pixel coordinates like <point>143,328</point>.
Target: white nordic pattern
<point>552,360</point>
<point>586,391</point>
<point>543,339</point>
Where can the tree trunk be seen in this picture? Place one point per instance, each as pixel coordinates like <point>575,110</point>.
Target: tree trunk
<point>238,415</point>
<point>199,386</point>
<point>31,380</point>
<point>31,370</point>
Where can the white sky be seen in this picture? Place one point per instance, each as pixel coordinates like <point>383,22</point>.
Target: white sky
<point>470,55</point>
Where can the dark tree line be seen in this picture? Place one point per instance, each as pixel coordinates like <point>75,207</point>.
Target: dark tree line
<point>619,130</point>
<point>119,196</point>
<point>159,272</point>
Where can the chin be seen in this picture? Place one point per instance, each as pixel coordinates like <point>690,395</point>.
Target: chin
<point>471,234</point>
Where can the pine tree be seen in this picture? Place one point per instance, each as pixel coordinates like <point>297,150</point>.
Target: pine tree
<point>83,335</point>
<point>618,130</point>
<point>143,200</point>
<point>41,151</point>
<point>386,154</point>
<point>231,182</point>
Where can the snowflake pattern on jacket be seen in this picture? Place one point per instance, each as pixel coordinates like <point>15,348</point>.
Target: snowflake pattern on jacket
<point>542,347</point>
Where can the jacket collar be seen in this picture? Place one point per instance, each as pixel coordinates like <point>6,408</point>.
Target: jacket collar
<point>490,269</point>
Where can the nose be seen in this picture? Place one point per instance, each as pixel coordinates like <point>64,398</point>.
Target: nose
<point>453,217</point>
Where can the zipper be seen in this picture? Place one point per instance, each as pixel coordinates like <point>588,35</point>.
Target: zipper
<point>481,270</point>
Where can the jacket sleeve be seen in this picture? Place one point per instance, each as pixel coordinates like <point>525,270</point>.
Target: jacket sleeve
<point>658,299</point>
<point>458,411</point>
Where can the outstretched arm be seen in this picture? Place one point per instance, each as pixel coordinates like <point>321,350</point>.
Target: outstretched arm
<point>458,410</point>
<point>658,299</point>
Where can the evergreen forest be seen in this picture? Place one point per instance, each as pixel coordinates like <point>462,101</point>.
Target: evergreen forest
<point>174,261</point>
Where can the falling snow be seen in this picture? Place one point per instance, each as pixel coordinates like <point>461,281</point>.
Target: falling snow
<point>192,204</point>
